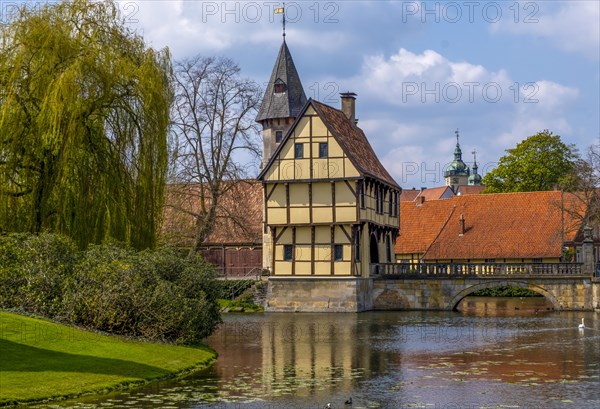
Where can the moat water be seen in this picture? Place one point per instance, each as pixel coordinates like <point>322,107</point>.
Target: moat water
<point>512,353</point>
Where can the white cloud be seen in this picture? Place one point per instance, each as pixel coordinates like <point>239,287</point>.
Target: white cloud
<point>571,25</point>
<point>541,107</point>
<point>406,134</point>
<point>191,27</point>
<point>428,78</point>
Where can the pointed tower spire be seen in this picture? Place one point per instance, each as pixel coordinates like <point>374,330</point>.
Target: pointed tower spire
<point>457,150</point>
<point>284,96</point>
<point>457,172</point>
<point>282,102</point>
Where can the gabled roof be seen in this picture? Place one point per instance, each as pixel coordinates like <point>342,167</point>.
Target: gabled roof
<point>286,104</point>
<point>507,225</point>
<point>435,193</point>
<point>239,217</point>
<point>351,138</point>
<point>432,193</point>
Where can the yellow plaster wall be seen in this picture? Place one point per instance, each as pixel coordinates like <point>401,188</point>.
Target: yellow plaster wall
<point>321,250</point>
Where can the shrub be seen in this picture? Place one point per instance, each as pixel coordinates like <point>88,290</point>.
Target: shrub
<point>231,289</point>
<point>160,294</point>
<point>32,271</point>
<point>154,294</point>
<point>505,292</point>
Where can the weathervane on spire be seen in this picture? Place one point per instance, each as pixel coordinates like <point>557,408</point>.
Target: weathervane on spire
<point>281,10</point>
<point>456,132</point>
<point>474,156</point>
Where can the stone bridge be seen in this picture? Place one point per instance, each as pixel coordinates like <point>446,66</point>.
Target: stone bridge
<point>443,286</point>
<point>565,293</point>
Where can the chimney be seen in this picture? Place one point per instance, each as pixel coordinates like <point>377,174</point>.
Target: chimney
<point>349,105</point>
<point>462,225</point>
<point>421,199</point>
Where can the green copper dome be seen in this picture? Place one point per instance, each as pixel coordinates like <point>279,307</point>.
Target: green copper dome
<point>457,167</point>
<point>475,178</point>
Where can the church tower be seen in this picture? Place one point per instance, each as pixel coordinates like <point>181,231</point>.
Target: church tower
<point>457,173</point>
<point>282,102</point>
<point>475,178</point>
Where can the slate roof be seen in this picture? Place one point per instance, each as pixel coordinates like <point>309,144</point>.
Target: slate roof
<point>285,104</point>
<point>508,225</point>
<point>239,218</point>
<point>353,141</point>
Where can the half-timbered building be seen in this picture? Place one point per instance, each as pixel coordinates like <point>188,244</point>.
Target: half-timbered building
<point>331,208</point>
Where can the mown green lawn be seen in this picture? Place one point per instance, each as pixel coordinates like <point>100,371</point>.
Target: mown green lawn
<point>41,360</point>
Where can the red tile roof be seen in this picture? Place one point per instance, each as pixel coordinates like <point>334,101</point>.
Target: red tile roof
<point>434,193</point>
<point>239,218</point>
<point>470,190</point>
<point>409,195</point>
<point>509,225</point>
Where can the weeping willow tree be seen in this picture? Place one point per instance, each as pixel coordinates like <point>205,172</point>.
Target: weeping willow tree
<point>84,112</point>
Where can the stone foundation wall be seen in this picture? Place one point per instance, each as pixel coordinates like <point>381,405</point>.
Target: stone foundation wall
<point>298,294</point>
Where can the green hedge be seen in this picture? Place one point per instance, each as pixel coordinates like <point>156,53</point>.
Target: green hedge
<point>160,295</point>
<point>506,292</point>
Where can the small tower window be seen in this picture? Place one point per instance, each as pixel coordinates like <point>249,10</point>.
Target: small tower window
<point>299,150</point>
<point>323,150</point>
<point>278,136</point>
<point>279,87</point>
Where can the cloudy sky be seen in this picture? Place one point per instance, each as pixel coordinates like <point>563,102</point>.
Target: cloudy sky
<point>498,71</point>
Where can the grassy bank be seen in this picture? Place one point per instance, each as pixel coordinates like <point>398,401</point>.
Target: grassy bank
<point>43,360</point>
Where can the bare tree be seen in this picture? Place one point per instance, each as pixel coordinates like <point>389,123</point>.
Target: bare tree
<point>213,120</point>
<point>584,183</point>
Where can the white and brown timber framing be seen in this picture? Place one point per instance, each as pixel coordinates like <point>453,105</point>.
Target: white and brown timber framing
<point>313,201</point>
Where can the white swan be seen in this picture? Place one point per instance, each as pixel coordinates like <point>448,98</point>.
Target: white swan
<point>582,325</point>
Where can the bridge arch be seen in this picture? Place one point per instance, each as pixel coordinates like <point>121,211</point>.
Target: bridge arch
<point>492,284</point>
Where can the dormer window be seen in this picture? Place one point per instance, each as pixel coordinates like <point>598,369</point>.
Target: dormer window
<point>279,87</point>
